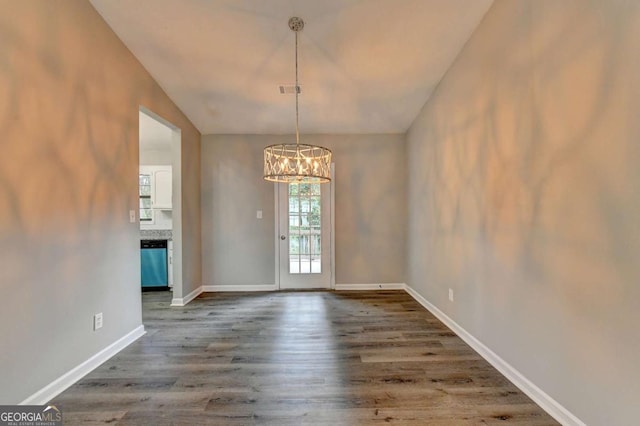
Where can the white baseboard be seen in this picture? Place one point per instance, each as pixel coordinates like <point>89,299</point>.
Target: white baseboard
<point>379,286</point>
<point>546,402</point>
<point>273,287</point>
<point>240,288</point>
<point>59,385</point>
<point>182,301</point>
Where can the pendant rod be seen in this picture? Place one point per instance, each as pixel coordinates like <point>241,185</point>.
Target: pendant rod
<point>297,92</point>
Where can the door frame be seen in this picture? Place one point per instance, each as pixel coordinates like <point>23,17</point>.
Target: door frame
<point>332,229</point>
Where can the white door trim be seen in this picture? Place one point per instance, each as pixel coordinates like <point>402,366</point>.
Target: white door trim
<point>276,229</point>
<point>332,229</point>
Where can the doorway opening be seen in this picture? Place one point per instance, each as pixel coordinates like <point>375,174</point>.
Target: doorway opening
<point>160,202</point>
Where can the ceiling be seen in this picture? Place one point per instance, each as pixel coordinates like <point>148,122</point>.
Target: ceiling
<point>366,66</point>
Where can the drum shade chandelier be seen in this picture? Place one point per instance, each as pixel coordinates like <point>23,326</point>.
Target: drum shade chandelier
<point>297,163</point>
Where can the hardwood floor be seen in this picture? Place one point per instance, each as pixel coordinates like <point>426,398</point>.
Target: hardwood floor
<point>291,358</point>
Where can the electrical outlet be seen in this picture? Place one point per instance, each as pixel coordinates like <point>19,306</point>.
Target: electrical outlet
<point>97,321</point>
<point>132,216</point>
<point>450,295</point>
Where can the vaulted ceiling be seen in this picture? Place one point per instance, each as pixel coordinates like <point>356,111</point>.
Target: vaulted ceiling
<point>366,66</point>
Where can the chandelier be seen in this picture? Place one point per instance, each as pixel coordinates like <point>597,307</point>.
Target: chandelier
<point>299,162</point>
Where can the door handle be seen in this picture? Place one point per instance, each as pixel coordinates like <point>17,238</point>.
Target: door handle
<point>283,237</point>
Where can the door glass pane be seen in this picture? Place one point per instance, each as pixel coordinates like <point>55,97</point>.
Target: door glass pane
<point>294,245</point>
<point>314,220</point>
<point>304,229</point>
<point>304,245</point>
<point>315,190</point>
<point>294,205</point>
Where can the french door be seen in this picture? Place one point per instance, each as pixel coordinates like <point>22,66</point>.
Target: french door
<point>304,235</point>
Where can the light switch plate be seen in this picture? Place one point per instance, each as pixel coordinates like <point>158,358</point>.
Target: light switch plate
<point>132,216</point>
<point>259,214</point>
<point>97,321</point>
<point>451,295</point>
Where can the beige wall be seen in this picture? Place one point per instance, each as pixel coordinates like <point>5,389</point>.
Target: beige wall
<point>68,178</point>
<point>237,248</point>
<point>524,198</point>
<point>370,208</point>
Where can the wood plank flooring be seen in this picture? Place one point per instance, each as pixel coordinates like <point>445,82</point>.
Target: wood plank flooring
<point>291,358</point>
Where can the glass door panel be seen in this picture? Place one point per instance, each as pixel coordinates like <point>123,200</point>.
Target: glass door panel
<point>304,229</point>
<point>146,206</point>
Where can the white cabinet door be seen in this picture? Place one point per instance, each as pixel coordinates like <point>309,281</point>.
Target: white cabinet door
<point>160,190</point>
<point>162,187</point>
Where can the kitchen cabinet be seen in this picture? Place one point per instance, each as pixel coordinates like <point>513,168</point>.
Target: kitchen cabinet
<point>159,192</point>
<point>163,190</point>
<point>144,185</point>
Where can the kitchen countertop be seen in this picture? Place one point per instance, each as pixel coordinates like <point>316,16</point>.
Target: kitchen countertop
<point>156,234</point>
